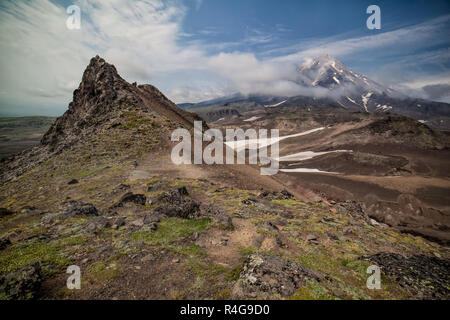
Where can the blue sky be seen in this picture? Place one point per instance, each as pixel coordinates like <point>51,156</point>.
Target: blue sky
<point>196,50</point>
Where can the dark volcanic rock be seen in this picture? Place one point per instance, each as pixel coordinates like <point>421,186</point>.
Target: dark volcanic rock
<point>265,276</point>
<point>176,204</point>
<point>249,201</point>
<point>5,212</point>
<point>287,215</point>
<point>157,185</point>
<point>97,224</point>
<point>100,90</point>
<point>271,195</point>
<point>74,207</point>
<point>73,181</point>
<point>4,242</point>
<point>133,198</point>
<point>422,276</point>
<point>23,284</point>
<point>69,209</point>
<point>218,215</point>
<point>354,209</point>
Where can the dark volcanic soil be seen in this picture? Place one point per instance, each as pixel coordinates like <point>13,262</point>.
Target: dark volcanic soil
<point>398,168</point>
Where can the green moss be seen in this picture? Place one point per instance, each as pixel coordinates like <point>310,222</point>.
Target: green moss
<point>287,202</point>
<point>192,250</point>
<point>100,272</point>
<point>234,273</point>
<point>154,180</point>
<point>204,269</point>
<point>223,294</point>
<point>86,173</point>
<point>73,241</point>
<point>313,291</point>
<point>246,251</point>
<point>21,255</point>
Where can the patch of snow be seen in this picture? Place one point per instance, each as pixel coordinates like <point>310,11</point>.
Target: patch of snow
<point>260,143</point>
<point>365,99</point>
<point>384,108</point>
<point>252,118</point>
<point>351,100</point>
<point>305,155</point>
<point>341,105</point>
<point>337,81</point>
<point>275,105</point>
<point>306,170</point>
<point>422,121</point>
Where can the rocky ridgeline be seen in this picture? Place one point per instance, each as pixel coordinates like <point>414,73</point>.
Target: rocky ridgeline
<point>97,107</point>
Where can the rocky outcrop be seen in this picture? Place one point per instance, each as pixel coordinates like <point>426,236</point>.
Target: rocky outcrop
<point>5,212</point>
<point>175,203</point>
<point>422,276</point>
<point>265,276</point>
<point>4,242</point>
<point>272,195</point>
<point>69,209</point>
<point>130,197</point>
<point>23,284</point>
<point>95,109</point>
<point>218,215</point>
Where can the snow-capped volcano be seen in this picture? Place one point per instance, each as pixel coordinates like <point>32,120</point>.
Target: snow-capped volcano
<point>354,90</point>
<point>327,72</point>
<point>341,88</point>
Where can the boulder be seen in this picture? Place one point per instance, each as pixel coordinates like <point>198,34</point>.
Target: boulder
<point>424,277</point>
<point>5,212</point>
<point>74,207</point>
<point>176,204</point>
<point>272,195</point>
<point>22,284</point>
<point>97,224</point>
<point>265,276</point>
<point>69,209</point>
<point>218,215</point>
<point>157,186</point>
<point>130,197</point>
<point>4,242</point>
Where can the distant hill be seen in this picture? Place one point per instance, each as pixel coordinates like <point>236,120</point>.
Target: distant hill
<point>18,134</point>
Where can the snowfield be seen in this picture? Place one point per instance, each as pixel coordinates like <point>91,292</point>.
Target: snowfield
<point>260,143</point>
<point>365,98</point>
<point>352,101</point>
<point>306,170</point>
<point>305,155</point>
<point>275,105</point>
<point>252,119</point>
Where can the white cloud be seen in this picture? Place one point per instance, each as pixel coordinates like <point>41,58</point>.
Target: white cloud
<point>42,61</point>
<point>429,33</point>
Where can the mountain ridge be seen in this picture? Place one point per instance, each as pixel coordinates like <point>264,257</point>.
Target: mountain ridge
<point>347,89</point>
<point>103,105</point>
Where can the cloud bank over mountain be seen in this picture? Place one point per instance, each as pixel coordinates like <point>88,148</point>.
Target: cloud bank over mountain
<point>41,59</point>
